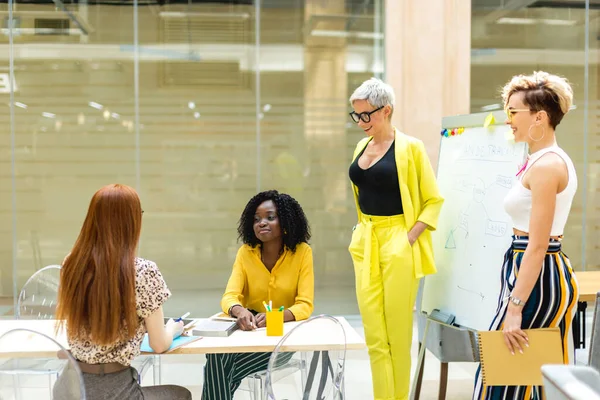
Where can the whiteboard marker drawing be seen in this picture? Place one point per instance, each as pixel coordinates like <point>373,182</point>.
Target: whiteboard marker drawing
<point>475,171</point>
<point>480,294</point>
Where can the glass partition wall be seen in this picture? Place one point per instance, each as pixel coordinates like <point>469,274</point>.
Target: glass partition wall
<point>560,37</point>
<point>198,105</point>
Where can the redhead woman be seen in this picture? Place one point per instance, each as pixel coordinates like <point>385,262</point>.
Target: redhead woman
<point>109,299</point>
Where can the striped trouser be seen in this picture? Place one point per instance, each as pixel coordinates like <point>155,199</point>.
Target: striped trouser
<point>223,373</point>
<point>552,304</point>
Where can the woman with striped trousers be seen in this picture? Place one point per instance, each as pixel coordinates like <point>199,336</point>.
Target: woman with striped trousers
<point>275,264</point>
<point>538,289</point>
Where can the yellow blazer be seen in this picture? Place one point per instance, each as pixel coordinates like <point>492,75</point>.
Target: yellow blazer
<point>421,200</point>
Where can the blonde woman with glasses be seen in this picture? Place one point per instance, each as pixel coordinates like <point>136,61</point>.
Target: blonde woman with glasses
<point>398,203</point>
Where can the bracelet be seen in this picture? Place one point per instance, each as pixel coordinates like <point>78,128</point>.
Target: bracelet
<point>231,308</point>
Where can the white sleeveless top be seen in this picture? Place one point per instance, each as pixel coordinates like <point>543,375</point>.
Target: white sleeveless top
<point>517,202</point>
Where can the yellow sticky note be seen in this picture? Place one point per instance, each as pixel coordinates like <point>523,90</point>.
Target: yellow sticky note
<point>489,120</point>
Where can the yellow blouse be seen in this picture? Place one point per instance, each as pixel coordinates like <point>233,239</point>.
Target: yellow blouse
<point>291,283</point>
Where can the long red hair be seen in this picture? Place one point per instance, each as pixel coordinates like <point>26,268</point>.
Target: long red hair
<point>96,295</point>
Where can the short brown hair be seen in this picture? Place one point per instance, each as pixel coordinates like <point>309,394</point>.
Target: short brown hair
<point>542,92</point>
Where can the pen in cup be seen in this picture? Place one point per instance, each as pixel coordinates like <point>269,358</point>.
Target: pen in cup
<point>267,306</point>
<point>281,308</point>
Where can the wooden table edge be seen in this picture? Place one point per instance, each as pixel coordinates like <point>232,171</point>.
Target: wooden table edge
<point>257,349</point>
<point>587,297</point>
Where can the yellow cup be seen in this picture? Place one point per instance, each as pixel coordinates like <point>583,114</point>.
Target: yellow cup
<point>275,323</point>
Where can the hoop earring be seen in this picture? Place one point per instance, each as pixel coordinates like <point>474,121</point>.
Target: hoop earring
<point>531,137</point>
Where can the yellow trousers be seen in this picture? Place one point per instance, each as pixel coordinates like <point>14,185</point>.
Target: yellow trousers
<point>386,290</point>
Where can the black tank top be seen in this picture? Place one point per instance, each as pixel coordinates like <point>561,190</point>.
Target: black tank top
<point>378,186</point>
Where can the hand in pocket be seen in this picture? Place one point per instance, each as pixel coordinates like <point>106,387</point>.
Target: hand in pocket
<point>411,241</point>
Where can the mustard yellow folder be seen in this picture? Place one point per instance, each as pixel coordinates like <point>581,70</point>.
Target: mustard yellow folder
<point>500,368</point>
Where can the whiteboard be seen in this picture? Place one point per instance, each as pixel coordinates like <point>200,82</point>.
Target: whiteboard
<point>475,171</point>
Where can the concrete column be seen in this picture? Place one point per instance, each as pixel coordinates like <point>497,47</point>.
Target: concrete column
<point>428,63</point>
<point>325,97</point>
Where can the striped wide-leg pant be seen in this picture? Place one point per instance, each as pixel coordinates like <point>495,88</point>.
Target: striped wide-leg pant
<point>552,304</point>
<point>223,373</point>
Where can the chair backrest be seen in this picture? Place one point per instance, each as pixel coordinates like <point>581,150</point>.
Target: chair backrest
<point>325,365</point>
<point>570,382</point>
<point>20,362</point>
<point>37,299</point>
<point>594,350</point>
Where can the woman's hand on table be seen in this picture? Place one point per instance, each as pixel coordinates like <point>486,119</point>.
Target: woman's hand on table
<point>245,319</point>
<point>175,329</point>
<point>261,320</point>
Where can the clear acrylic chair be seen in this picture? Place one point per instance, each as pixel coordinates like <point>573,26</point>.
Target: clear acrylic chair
<point>324,379</point>
<point>143,363</point>
<point>570,382</point>
<point>255,384</point>
<point>60,377</point>
<point>37,299</point>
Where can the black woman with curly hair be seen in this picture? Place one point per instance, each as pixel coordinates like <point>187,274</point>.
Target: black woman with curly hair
<point>275,264</point>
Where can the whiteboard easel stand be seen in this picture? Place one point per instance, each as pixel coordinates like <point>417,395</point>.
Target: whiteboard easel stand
<point>482,142</point>
<point>448,343</point>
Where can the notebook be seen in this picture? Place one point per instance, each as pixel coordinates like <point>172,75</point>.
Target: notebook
<point>214,328</point>
<point>500,368</point>
<point>177,343</point>
<point>220,316</point>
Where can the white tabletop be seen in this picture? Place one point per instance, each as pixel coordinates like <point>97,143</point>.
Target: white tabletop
<point>319,334</point>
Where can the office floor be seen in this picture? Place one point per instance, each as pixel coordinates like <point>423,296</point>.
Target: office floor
<point>187,371</point>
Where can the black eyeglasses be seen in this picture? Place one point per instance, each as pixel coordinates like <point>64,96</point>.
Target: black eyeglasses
<point>365,116</point>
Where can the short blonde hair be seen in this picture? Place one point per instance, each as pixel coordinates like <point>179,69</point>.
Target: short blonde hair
<point>376,92</point>
<point>542,92</point>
